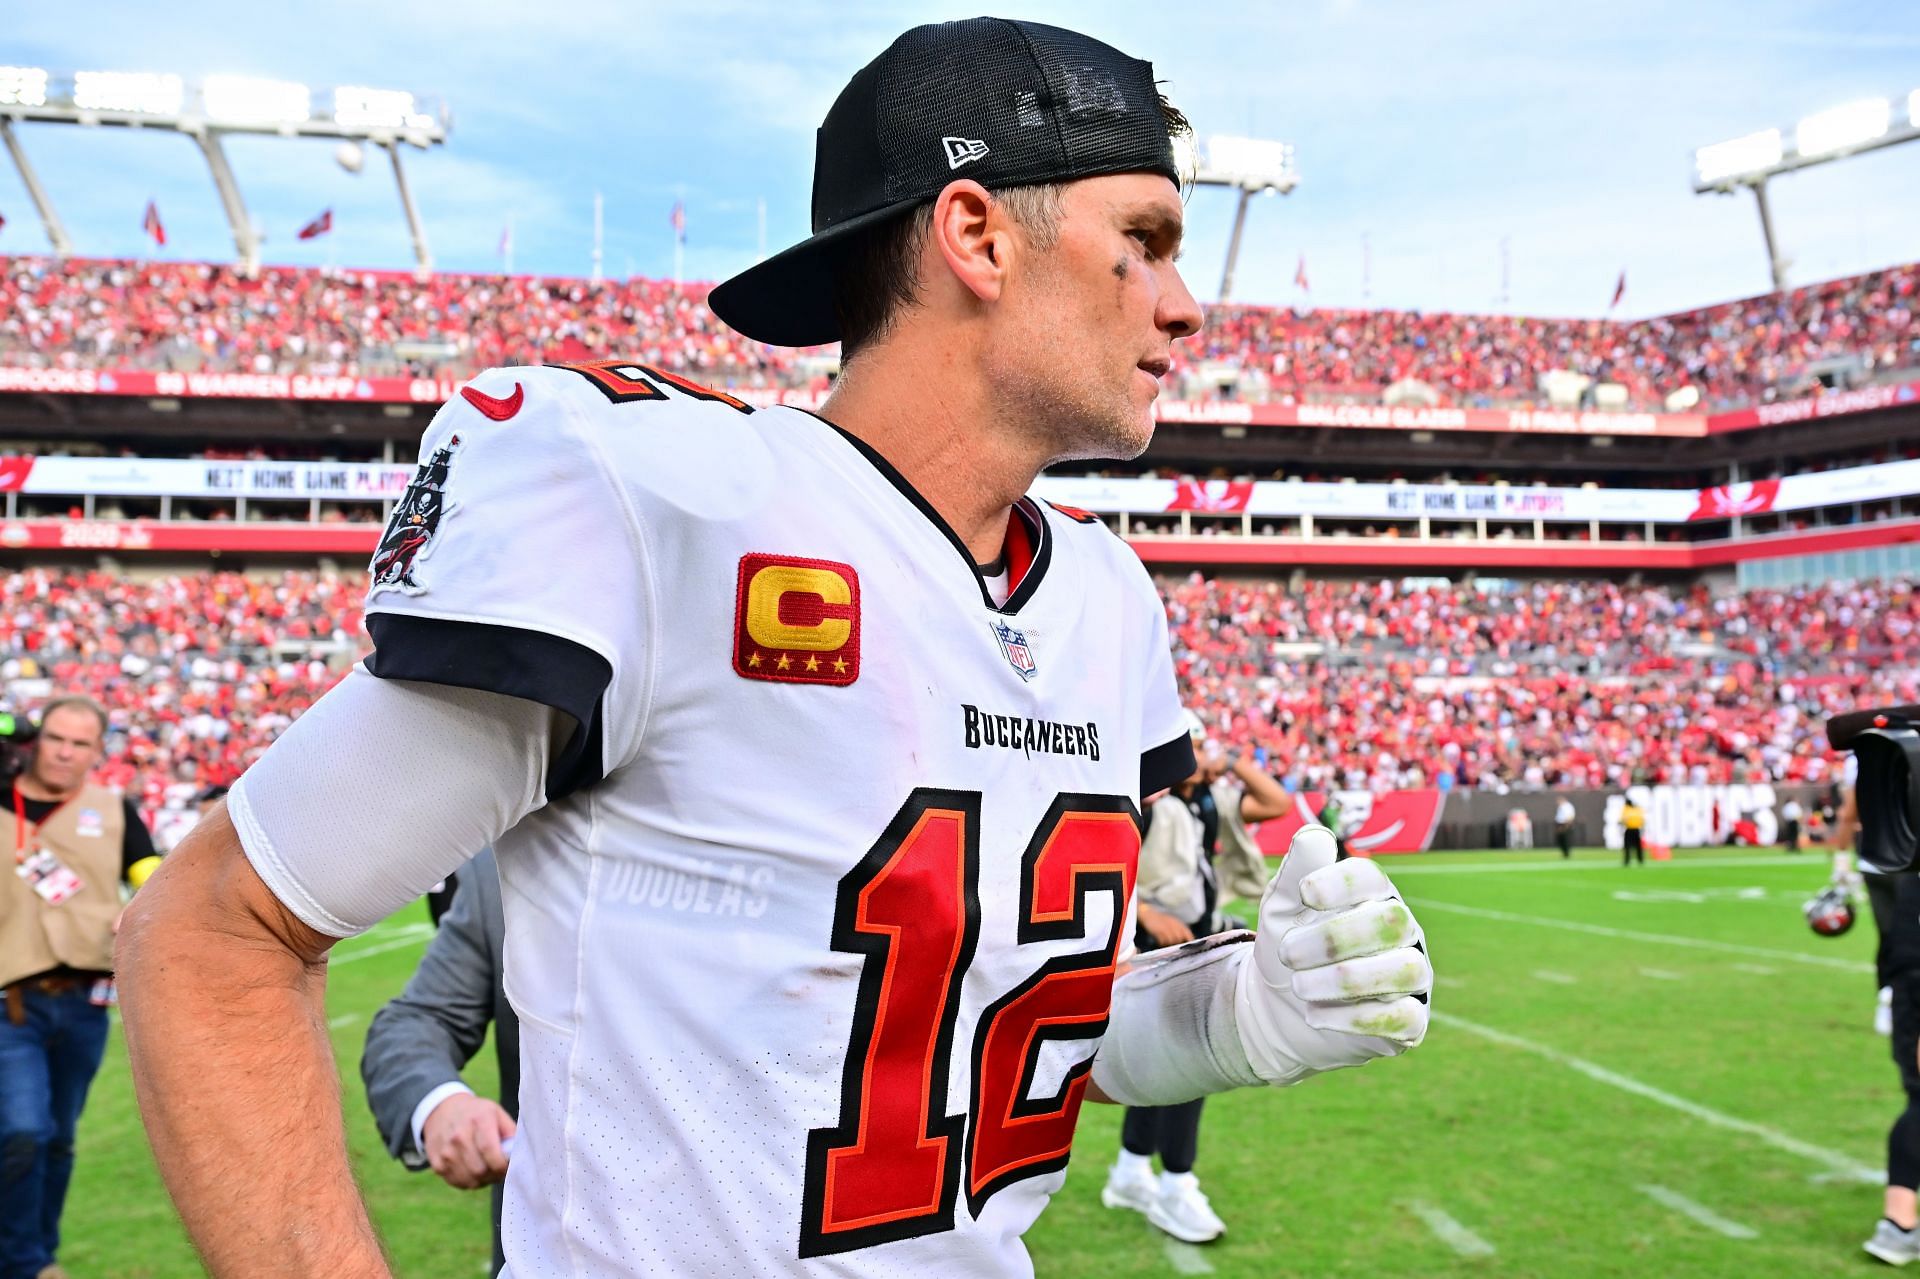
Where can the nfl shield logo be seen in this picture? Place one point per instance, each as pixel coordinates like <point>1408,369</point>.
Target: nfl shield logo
<point>1019,653</point>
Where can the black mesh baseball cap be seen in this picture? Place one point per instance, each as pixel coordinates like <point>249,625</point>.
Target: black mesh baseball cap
<point>1003,102</point>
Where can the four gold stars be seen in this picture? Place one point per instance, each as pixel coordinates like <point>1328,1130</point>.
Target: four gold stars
<point>783,662</point>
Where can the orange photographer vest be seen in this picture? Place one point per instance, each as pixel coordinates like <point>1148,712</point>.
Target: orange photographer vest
<point>86,833</point>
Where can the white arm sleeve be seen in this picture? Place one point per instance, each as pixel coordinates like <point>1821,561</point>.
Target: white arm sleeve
<point>384,788</point>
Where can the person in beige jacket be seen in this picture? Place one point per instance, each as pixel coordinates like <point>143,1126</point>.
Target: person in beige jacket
<point>74,843</point>
<point>1199,846</point>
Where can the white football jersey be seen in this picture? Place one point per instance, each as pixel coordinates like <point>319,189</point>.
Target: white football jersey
<point>814,939</point>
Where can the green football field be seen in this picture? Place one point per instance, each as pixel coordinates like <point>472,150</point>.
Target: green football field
<point>1656,1071</point>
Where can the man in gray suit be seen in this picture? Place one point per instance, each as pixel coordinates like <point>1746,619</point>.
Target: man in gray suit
<point>418,1043</point>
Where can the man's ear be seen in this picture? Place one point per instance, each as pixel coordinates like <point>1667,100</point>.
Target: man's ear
<point>973,237</point>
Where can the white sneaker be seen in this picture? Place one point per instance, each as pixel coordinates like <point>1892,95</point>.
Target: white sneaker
<point>1883,1012</point>
<point>1893,1245</point>
<point>1181,1209</point>
<point>1129,1188</point>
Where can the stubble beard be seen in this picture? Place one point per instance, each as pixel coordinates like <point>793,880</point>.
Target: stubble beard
<point>1074,422</point>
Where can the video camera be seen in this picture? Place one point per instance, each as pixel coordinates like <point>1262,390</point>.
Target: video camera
<point>17,734</point>
<point>1887,795</point>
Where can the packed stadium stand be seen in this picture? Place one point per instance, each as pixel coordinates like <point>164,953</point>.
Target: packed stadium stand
<point>1373,684</point>
<point>1468,554</point>
<point>187,316</point>
<point>1378,684</point>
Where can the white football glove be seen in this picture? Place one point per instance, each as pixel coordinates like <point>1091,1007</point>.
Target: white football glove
<point>1339,973</point>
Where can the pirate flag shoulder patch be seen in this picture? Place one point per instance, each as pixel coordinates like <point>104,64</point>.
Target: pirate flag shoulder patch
<point>415,523</point>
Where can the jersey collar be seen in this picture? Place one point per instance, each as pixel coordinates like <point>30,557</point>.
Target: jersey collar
<point>1029,544</point>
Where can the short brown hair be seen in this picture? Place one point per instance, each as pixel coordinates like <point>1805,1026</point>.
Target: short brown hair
<point>877,274</point>
<point>76,702</point>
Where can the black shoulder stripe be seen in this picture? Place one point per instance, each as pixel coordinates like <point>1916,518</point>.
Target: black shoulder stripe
<point>1166,764</point>
<point>511,660</point>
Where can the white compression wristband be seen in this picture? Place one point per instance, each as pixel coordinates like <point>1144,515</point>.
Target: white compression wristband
<point>382,789</point>
<point>1173,1034</point>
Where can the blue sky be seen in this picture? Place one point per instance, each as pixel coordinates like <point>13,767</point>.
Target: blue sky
<point>1427,135</point>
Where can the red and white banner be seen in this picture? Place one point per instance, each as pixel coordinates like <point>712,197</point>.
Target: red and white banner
<point>191,477</point>
<point>1215,497</point>
<point>1728,500</point>
<point>1445,504</point>
<point>1371,554</point>
<point>228,386</point>
<point>408,390</point>
<point>156,535</point>
<point>1455,503</point>
<point>1870,399</point>
<point>1400,821</point>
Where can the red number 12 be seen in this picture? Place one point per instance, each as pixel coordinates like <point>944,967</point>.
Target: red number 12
<point>891,1168</point>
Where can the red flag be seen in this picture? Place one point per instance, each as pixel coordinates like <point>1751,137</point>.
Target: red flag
<point>318,227</point>
<point>1300,275</point>
<point>1619,290</point>
<point>679,221</point>
<point>3,221</point>
<point>151,225</point>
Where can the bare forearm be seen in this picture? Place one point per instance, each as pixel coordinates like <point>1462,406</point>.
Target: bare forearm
<point>1268,798</point>
<point>227,1038</point>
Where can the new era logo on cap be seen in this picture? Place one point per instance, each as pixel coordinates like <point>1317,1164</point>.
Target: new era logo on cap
<point>962,150</point>
<point>1056,105</point>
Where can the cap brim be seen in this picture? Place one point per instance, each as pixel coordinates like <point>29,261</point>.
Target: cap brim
<point>788,299</point>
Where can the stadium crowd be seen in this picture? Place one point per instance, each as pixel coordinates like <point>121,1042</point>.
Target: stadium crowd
<point>1382,684</point>
<point>192,316</point>
<point>1373,684</point>
<point>198,672</point>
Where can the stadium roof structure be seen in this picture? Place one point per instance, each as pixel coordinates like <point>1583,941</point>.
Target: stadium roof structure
<point>207,111</point>
<point>1836,133</point>
<point>1251,166</point>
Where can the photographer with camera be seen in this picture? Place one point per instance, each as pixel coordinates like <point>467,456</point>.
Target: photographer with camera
<point>1879,800</point>
<point>74,844</point>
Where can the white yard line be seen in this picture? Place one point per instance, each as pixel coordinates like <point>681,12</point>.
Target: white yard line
<point>1186,1258</point>
<point>1624,934</point>
<point>1832,1160</point>
<point>411,935</point>
<point>1698,1213</point>
<point>1662,974</point>
<point>344,1019</point>
<point>1395,871</point>
<point>1558,979</point>
<point>1450,1232</point>
<point>1758,970</point>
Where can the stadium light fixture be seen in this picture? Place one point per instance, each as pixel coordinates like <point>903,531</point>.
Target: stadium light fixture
<point>128,92</point>
<point>1821,138</point>
<point>23,86</point>
<point>1737,157</point>
<point>243,100</point>
<point>1251,166</point>
<point>358,108</point>
<point>207,112</point>
<point>1837,128</point>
